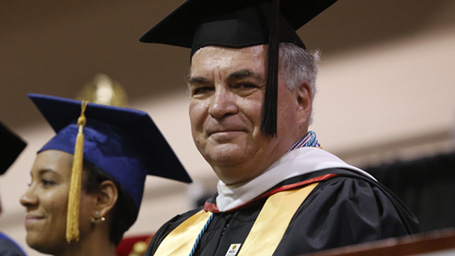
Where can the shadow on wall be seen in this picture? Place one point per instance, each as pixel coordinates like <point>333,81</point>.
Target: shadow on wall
<point>353,24</point>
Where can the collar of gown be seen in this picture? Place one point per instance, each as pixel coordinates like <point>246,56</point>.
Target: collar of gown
<point>294,163</point>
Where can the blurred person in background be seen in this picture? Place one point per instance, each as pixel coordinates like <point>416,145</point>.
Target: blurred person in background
<point>11,146</point>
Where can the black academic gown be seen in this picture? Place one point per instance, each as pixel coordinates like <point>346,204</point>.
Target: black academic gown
<point>346,209</point>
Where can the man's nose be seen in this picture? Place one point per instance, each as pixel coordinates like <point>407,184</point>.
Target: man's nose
<point>223,103</point>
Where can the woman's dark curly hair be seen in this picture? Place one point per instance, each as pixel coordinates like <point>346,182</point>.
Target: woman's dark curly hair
<point>124,212</point>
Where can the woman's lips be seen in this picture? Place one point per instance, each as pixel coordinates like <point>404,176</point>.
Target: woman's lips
<point>32,218</point>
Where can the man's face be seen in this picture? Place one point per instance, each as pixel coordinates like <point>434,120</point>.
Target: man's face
<point>226,97</point>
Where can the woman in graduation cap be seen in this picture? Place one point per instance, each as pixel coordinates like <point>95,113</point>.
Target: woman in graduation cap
<point>87,182</point>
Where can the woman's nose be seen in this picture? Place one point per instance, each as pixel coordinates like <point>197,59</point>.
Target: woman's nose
<point>29,198</point>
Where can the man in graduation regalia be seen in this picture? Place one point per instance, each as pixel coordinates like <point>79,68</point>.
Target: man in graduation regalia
<point>252,85</point>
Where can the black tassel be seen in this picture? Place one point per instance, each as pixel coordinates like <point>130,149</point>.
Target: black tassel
<point>269,116</point>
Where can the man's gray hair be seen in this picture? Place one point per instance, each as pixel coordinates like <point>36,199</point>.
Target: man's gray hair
<point>297,65</point>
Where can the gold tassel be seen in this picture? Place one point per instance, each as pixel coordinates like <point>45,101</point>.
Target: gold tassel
<point>74,195</point>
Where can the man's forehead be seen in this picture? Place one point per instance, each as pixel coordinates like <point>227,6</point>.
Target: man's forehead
<point>211,58</point>
<point>254,49</point>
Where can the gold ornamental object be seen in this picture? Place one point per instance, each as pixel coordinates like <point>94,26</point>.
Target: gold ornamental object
<point>103,90</point>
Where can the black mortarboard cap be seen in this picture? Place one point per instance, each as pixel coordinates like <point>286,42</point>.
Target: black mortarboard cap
<point>11,147</point>
<point>238,24</point>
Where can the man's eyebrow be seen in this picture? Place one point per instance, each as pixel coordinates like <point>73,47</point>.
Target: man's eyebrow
<point>244,73</point>
<point>197,80</point>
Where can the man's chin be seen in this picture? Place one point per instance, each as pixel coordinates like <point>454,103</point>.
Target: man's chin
<point>224,154</point>
<point>224,161</point>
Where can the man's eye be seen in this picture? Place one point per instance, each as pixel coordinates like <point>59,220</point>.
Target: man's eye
<point>246,86</point>
<point>201,90</point>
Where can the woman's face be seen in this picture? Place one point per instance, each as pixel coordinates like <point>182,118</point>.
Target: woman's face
<point>46,202</point>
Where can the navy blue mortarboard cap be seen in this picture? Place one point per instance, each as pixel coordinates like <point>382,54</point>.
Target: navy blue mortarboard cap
<point>238,24</point>
<point>125,143</point>
<point>11,147</point>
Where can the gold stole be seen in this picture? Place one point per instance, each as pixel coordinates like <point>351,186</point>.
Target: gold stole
<point>264,236</point>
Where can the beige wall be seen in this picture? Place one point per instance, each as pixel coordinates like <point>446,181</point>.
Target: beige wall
<point>369,98</point>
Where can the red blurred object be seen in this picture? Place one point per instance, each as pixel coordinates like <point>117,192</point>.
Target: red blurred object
<point>126,246</point>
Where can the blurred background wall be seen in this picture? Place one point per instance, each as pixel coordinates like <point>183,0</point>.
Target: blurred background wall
<point>386,87</point>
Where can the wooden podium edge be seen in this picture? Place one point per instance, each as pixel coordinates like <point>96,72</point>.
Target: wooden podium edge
<point>408,245</point>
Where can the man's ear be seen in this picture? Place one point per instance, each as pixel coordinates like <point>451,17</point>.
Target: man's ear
<point>304,94</point>
<point>106,198</point>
